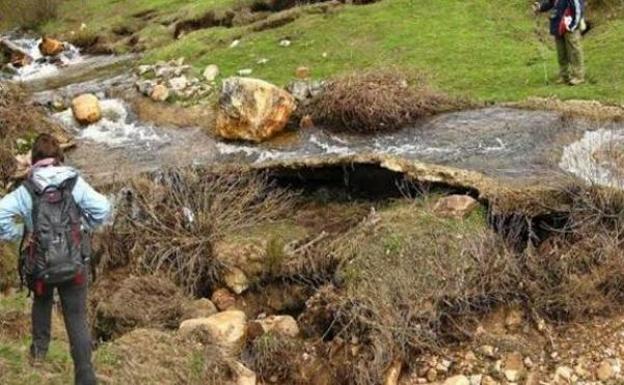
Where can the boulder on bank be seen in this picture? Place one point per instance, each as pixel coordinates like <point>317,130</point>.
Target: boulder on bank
<point>50,46</point>
<point>252,109</point>
<point>86,109</point>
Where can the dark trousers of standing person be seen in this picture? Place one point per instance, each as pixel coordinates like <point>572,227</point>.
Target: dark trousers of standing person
<point>74,303</point>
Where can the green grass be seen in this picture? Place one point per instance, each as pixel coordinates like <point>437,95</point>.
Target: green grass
<point>490,51</point>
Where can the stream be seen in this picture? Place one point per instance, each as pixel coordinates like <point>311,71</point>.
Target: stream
<point>516,146</point>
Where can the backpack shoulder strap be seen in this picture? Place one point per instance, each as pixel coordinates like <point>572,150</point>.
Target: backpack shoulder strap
<point>69,184</point>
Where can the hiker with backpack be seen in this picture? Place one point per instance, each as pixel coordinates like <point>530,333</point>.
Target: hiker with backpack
<point>566,24</point>
<point>56,207</point>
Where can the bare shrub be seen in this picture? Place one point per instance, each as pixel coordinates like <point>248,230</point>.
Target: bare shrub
<point>118,307</point>
<point>376,101</point>
<point>147,356</point>
<point>28,14</point>
<point>578,271</point>
<point>171,223</point>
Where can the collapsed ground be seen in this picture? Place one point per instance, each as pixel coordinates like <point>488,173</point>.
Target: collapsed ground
<point>378,276</point>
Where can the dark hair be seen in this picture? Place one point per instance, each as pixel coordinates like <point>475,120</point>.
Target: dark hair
<point>46,146</point>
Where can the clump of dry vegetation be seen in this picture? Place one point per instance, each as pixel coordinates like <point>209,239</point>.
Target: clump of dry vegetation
<point>376,101</point>
<point>273,357</point>
<point>28,14</point>
<point>147,356</point>
<point>171,223</point>
<point>578,271</point>
<point>118,307</point>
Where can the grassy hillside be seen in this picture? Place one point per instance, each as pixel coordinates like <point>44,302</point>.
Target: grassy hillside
<point>492,51</point>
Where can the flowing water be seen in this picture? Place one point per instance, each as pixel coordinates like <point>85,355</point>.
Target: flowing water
<point>518,146</point>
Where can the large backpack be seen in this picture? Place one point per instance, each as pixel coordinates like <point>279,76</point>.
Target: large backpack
<point>53,250</point>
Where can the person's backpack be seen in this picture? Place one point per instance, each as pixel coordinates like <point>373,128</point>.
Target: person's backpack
<point>53,253</point>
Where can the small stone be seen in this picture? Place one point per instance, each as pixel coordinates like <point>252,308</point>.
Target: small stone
<point>455,206</point>
<point>528,362</point>
<point>487,351</point>
<point>514,361</point>
<point>580,371</point>
<point>145,87</point>
<point>211,72</point>
<point>563,375</point>
<point>160,93</point>
<point>487,380</point>
<point>245,72</point>
<point>302,72</point>
<point>223,299</point>
<point>235,43</point>
<point>285,43</point>
<point>432,375</point>
<point>178,83</point>
<point>245,376</point>
<point>199,308</point>
<point>443,365</point>
<point>457,380</point>
<point>393,374</point>
<point>604,371</point>
<point>475,379</point>
<point>470,356</point>
<point>283,325</point>
<point>512,375</point>
<point>144,69</point>
<point>236,280</point>
<point>262,61</point>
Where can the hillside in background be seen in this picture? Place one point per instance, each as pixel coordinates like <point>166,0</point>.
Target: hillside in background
<point>490,50</point>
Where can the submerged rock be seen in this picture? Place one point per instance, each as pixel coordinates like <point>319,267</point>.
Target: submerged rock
<point>252,109</point>
<point>86,109</point>
<point>51,47</point>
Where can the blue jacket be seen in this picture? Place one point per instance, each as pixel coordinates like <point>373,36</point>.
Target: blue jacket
<point>95,207</point>
<point>558,9</point>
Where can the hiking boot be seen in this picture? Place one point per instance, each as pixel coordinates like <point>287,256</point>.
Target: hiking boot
<point>37,356</point>
<point>576,82</point>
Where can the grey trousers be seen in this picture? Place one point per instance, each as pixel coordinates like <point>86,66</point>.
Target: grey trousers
<point>74,304</point>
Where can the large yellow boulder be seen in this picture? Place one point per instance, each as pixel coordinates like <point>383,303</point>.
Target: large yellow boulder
<point>86,109</point>
<point>252,109</point>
